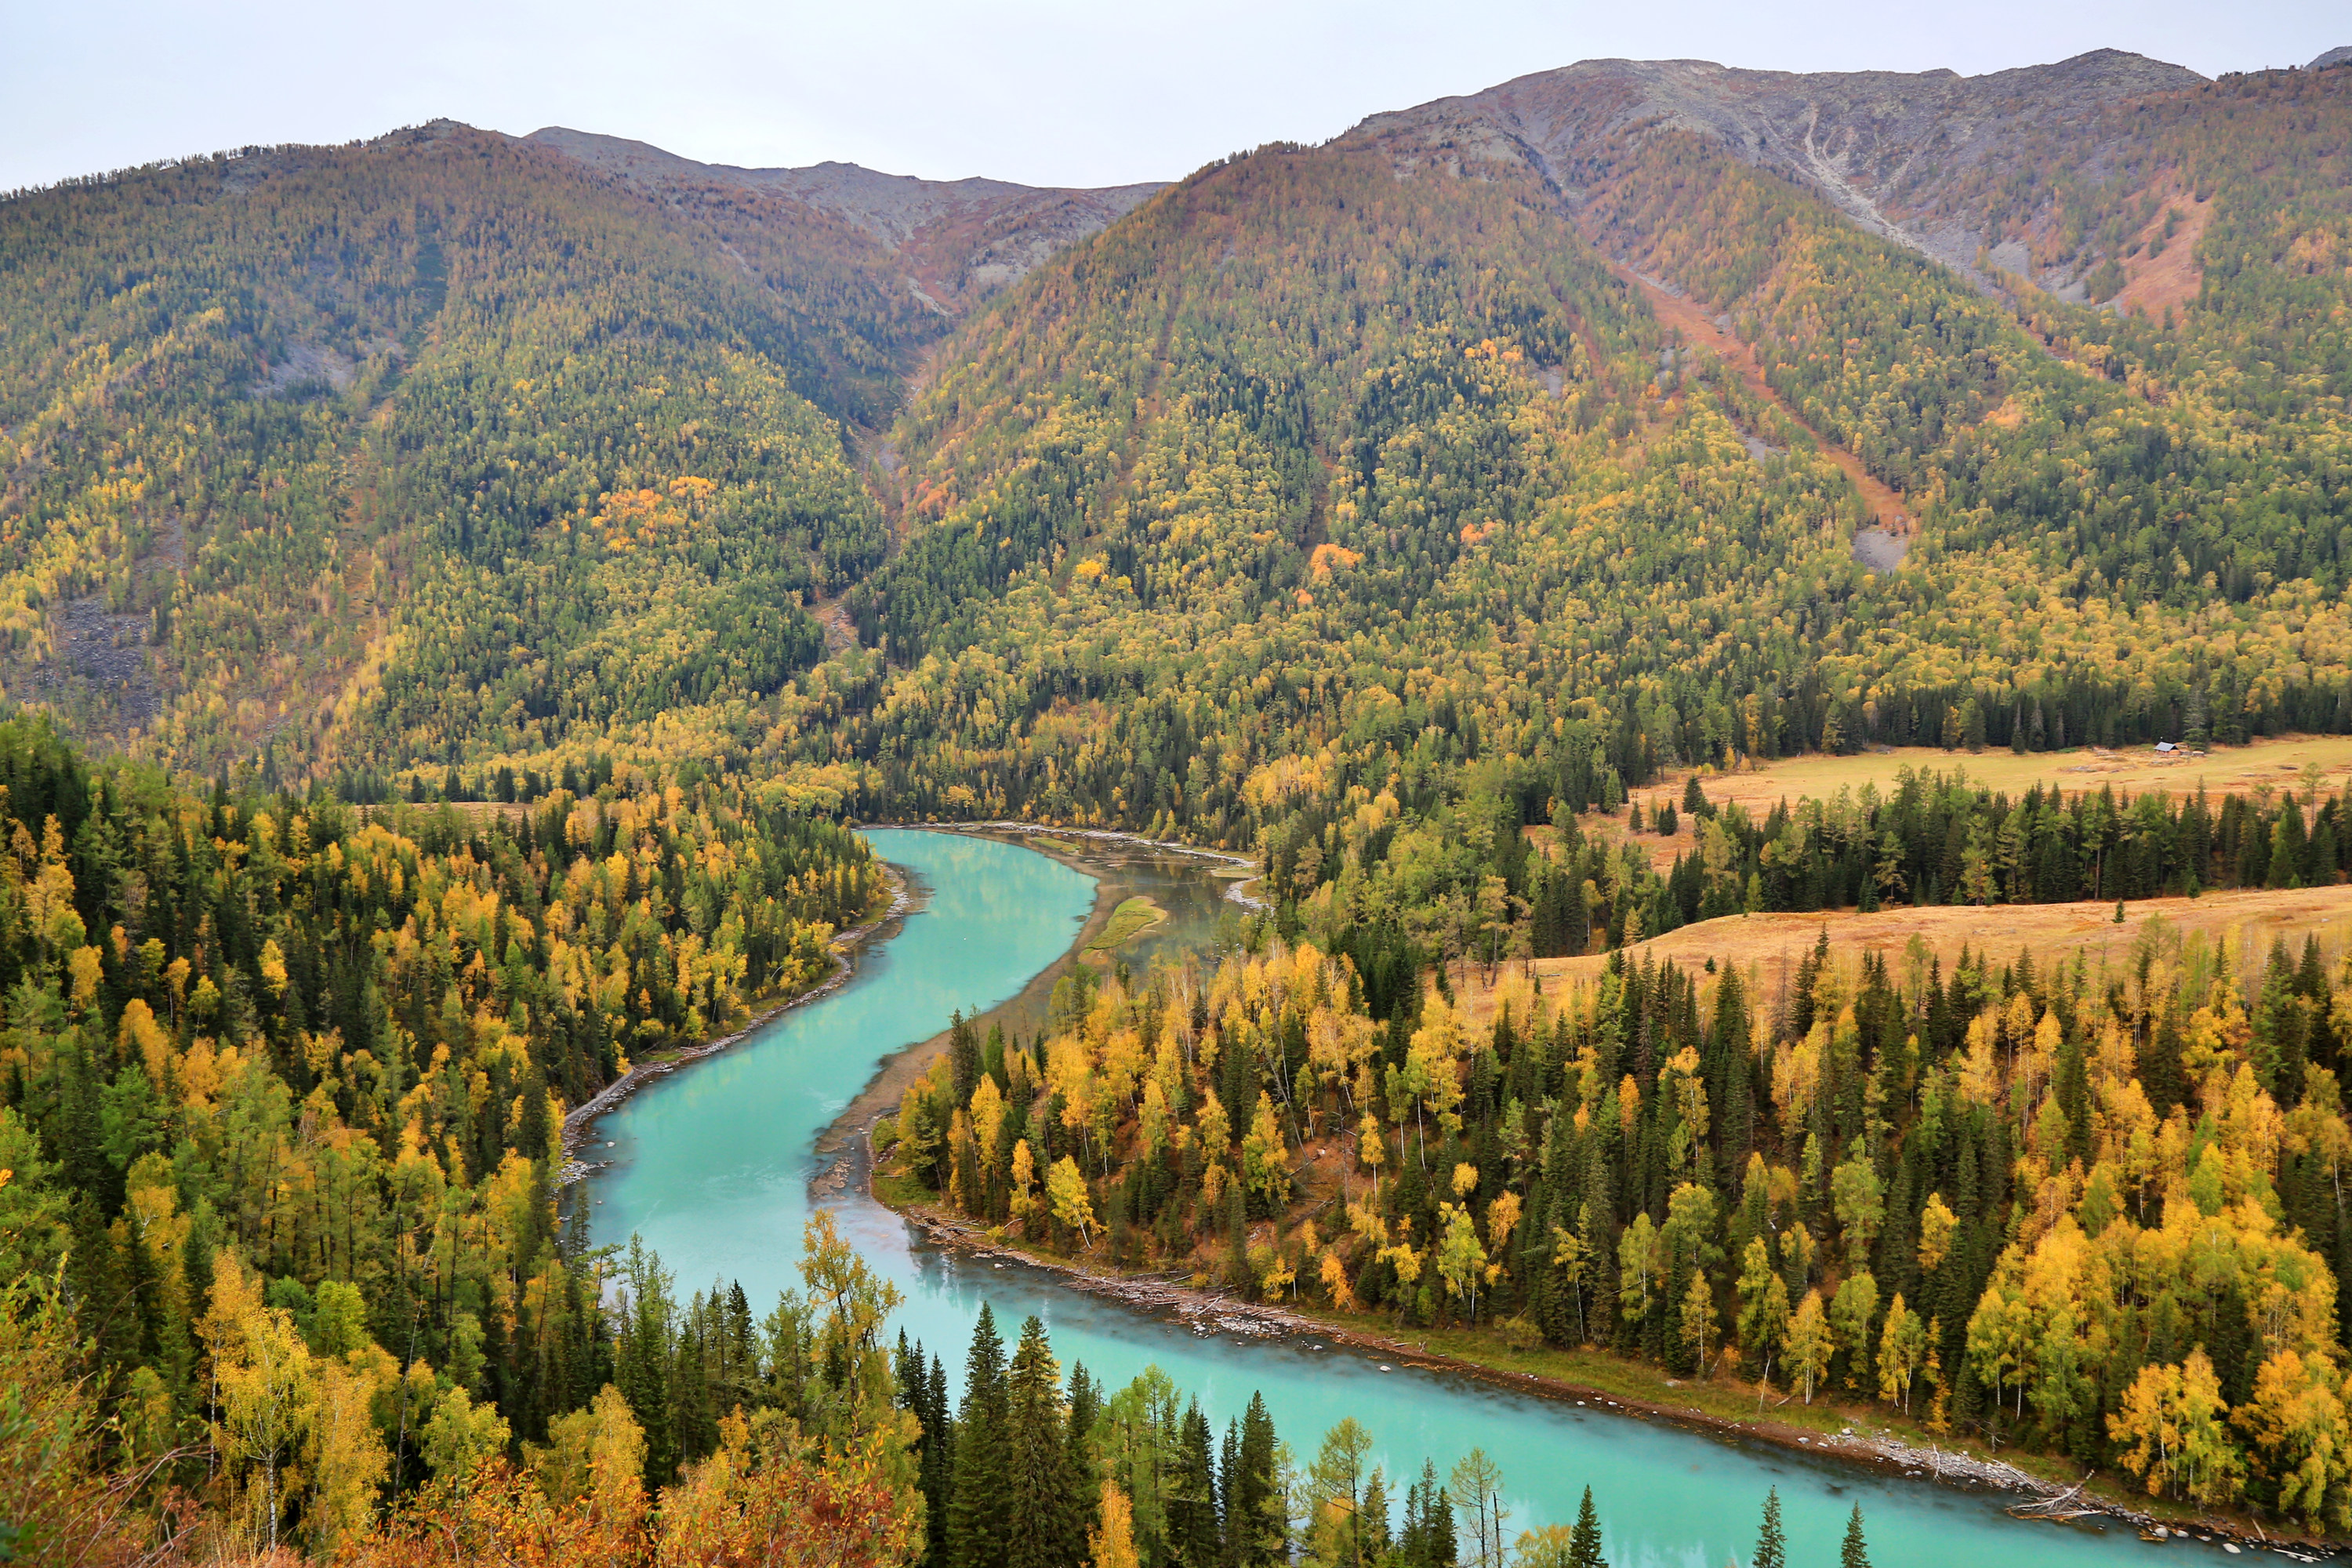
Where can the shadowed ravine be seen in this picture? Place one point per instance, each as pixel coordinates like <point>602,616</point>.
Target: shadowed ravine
<point>712,1167</point>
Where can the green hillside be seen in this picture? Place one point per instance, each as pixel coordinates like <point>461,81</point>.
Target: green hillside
<point>1326,467</point>
<point>395,453</point>
<point>1396,511</point>
<point>1337,485</point>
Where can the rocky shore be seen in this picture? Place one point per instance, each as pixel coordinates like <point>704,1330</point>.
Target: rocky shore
<point>1207,1312</point>
<point>1237,892</point>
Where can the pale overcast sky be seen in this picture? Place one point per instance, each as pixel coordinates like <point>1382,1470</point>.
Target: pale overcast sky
<point>1038,91</point>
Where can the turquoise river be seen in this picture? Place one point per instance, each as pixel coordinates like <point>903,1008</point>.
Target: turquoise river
<point>712,1166</point>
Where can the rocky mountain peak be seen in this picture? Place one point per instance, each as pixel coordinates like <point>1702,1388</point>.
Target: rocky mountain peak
<point>960,240</point>
<point>1887,148</point>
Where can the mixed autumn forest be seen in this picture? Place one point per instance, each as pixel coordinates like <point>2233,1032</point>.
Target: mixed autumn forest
<point>460,593</point>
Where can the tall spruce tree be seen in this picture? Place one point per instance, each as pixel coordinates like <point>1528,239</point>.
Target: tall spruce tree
<point>1193,1533</point>
<point>1085,1401</point>
<point>1372,1526</point>
<point>1444,1540</point>
<point>976,1512</point>
<point>1425,1538</point>
<point>643,1354</point>
<point>1229,1475</point>
<point>1044,1527</point>
<point>939,1460</point>
<point>1413,1547</point>
<point>106,1309</point>
<point>1259,1526</point>
<point>1584,1541</point>
<point>963,1055</point>
<point>923,1391</point>
<point>1771,1545</point>
<point>1855,1553</point>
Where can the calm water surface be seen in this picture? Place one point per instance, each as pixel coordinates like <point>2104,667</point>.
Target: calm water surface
<point>712,1167</point>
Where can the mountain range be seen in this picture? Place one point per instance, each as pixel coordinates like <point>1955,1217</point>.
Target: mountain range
<point>957,241</point>
<point>1726,412</point>
<point>1456,520</point>
<point>1906,156</point>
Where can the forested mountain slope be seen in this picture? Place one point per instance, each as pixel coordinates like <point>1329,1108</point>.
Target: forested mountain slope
<point>952,243</point>
<point>1322,437</point>
<point>333,460</point>
<point>374,445</point>
<point>1326,469</point>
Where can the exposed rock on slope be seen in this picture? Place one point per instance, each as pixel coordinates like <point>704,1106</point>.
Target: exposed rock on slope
<point>1902,154</point>
<point>957,241</point>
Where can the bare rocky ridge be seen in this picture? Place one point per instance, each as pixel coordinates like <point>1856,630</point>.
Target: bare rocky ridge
<point>959,241</point>
<point>306,365</point>
<point>1889,149</point>
<point>1895,152</point>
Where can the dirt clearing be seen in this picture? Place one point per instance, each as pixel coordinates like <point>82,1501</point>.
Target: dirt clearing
<point>1701,331</point>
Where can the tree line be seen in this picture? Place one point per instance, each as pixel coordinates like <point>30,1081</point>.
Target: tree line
<point>2091,1209</point>
<point>811,1440</point>
<point>328,1052</point>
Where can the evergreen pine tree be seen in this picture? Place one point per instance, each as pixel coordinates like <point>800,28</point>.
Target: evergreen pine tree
<point>81,1143</point>
<point>533,1137</point>
<point>939,1464</point>
<point>1584,1541</point>
<point>1437,1522</point>
<point>577,1349</point>
<point>1427,1538</point>
<point>743,1351</point>
<point>575,1230</point>
<point>1234,1532</point>
<point>1771,1545</point>
<point>1258,1524</point>
<point>103,1305</point>
<point>1085,1405</point>
<point>963,1055</point>
<point>1855,1553</point>
<point>1412,1548</point>
<point>642,1358</point>
<point>976,1514</point>
<point>1372,1524</point>
<point>933,1446</point>
<point>1192,1534</point>
<point>1040,1501</point>
<point>907,1378</point>
<point>693,1425</point>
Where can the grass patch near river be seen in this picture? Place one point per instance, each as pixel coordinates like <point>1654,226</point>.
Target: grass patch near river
<point>1132,917</point>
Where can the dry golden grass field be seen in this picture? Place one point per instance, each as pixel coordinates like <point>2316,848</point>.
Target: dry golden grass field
<point>1771,944</point>
<point>2136,769</point>
<point>2272,764</point>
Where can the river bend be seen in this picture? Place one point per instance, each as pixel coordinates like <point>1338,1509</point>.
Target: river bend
<point>712,1166</point>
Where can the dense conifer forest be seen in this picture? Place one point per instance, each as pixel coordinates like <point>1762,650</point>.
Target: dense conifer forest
<point>498,463</point>
<point>456,605</point>
<point>2097,1210</point>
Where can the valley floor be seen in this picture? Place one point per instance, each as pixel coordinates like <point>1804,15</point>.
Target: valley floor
<point>1733,1409</point>
<point>1738,1411</point>
<point>2278,762</point>
<point>1774,943</point>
